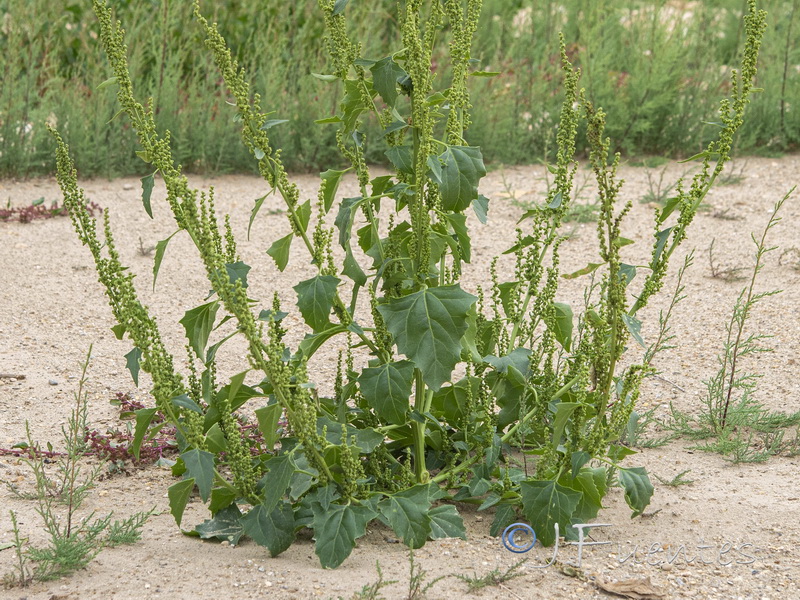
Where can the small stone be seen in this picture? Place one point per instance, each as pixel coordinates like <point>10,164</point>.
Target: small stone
<point>127,186</point>
<point>53,382</point>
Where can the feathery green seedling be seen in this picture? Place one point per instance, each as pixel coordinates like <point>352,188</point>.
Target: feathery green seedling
<point>495,577</point>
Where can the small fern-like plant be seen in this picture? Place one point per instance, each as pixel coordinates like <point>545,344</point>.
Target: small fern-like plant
<point>402,439</point>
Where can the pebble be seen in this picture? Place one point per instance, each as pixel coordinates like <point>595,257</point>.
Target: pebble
<point>127,186</point>
<point>53,382</point>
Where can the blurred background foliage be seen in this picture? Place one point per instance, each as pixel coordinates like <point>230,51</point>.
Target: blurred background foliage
<point>658,68</point>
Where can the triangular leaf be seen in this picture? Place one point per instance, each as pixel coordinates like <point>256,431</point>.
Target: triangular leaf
<point>276,481</point>
<point>200,465</point>
<point>546,503</point>
<point>331,179</point>
<point>385,74</point>
<point>279,251</point>
<point>144,416</point>
<point>148,182</point>
<point>562,327</point>
<point>336,529</point>
<point>481,207</point>
<point>225,526</point>
<point>315,298</point>
<point>198,324</point>
<point>387,389</point>
<point>273,529</point>
<point>462,169</point>
<point>408,515</point>
<point>132,360</point>
<point>268,417</point>
<point>402,158</point>
<point>446,523</point>
<point>427,327</point>
<point>178,494</point>
<point>638,489</point>
<point>161,248</point>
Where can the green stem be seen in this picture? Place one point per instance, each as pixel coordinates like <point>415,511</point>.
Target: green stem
<point>418,429</point>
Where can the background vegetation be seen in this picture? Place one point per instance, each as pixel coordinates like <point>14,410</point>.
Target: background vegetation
<point>653,66</point>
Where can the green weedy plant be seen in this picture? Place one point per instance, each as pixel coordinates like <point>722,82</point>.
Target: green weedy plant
<point>399,436</point>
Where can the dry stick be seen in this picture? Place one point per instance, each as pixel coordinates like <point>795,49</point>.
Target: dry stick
<point>11,376</point>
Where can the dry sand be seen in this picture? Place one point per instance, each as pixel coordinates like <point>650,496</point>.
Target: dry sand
<point>740,524</point>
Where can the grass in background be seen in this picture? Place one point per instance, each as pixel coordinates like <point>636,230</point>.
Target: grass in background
<point>654,72</point>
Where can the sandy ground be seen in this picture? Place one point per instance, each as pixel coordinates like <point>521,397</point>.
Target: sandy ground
<point>740,524</point>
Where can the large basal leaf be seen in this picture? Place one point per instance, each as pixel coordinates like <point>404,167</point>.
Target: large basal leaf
<point>427,327</point>
<point>638,489</point>
<point>200,465</point>
<point>387,389</point>
<point>545,503</point>
<point>225,526</point>
<point>276,481</point>
<point>336,529</point>
<point>591,482</point>
<point>178,494</point>
<point>198,324</point>
<point>462,169</point>
<point>315,298</point>
<point>273,529</point>
<point>446,523</point>
<point>407,514</point>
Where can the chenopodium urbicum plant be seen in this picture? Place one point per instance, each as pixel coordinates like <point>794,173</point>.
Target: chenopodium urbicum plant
<point>403,438</point>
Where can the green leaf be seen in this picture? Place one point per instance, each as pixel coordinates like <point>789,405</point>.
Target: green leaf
<point>394,126</point>
<point>638,489</point>
<point>669,207</point>
<point>634,327</point>
<point>119,330</point>
<point>387,389</point>
<point>462,169</point>
<point>198,324</point>
<point>385,74</point>
<point>338,6</point>
<point>545,503</point>
<point>178,494</point>
<point>183,401</point>
<point>222,497</point>
<point>144,417</point>
<point>273,529</point>
<point>407,514</point>
<point>402,158</point>
<point>481,207</point>
<point>322,77</point>
<point>344,219</point>
<point>256,207</point>
<point>161,248</point>
<point>661,241</point>
<point>353,270</point>
<point>315,299</point>
<point>148,182</point>
<point>331,179</point>
<point>132,360</point>
<point>446,523</point>
<point>237,271</point>
<point>591,483</point>
<point>427,327</point>
<point>556,201</point>
<point>312,342</point>
<point>564,411</point>
<point>258,153</point>
<point>303,212</point>
<point>270,123</point>
<point>276,481</point>
<point>144,155</point>
<point>200,465</point>
<point>336,529</point>
<point>562,327</point>
<point>590,268</point>
<point>225,526</point>
<point>503,517</point>
<point>577,460</point>
<point>326,120</point>
<point>279,251</point>
<point>459,224</point>
<point>268,417</point>
<point>108,82</point>
<point>485,73</point>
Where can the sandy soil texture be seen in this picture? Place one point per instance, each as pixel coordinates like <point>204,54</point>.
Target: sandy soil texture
<point>739,524</point>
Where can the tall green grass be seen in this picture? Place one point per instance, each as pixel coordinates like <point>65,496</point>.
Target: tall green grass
<point>640,60</point>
